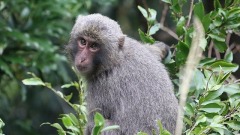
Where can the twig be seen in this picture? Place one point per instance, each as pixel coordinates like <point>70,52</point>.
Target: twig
<point>145,5</point>
<point>169,31</point>
<point>164,13</point>
<point>190,13</point>
<point>162,20</point>
<point>228,38</point>
<point>193,59</point>
<point>236,49</point>
<point>210,49</point>
<point>218,56</point>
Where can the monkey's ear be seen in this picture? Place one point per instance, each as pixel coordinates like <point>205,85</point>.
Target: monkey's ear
<point>121,41</point>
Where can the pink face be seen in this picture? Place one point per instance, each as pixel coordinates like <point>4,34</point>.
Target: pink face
<point>87,49</point>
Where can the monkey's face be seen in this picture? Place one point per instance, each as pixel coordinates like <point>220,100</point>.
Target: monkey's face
<point>86,49</point>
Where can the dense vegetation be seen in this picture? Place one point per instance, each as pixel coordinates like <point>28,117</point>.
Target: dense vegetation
<point>32,37</point>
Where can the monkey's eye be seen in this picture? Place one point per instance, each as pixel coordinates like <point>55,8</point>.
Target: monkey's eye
<point>94,46</point>
<point>82,41</point>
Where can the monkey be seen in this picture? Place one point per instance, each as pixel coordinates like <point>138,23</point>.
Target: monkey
<point>126,82</point>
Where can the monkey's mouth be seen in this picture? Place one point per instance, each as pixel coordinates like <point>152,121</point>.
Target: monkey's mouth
<point>82,69</point>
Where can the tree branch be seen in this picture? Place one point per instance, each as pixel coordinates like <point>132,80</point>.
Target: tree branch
<point>169,31</point>
<point>164,13</point>
<point>190,13</point>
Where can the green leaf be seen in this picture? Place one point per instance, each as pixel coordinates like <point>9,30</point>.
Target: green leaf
<point>217,4</point>
<point>67,85</point>
<point>213,94</point>
<point>233,26</point>
<point>188,36</point>
<point>218,21</point>
<point>206,21</point>
<point>4,67</point>
<point>176,8</point>
<point>199,80</point>
<point>96,130</point>
<point>189,109</point>
<point>153,15</point>
<point>59,128</point>
<point>217,37</point>
<point>187,120</point>
<point>220,130</point>
<point>215,87</point>
<point>224,78</point>
<point>233,124</point>
<point>141,133</point>
<point>98,119</point>
<point>14,59</point>
<point>181,53</point>
<point>145,38</point>
<point>200,119</point>
<point>211,108</point>
<point>234,100</point>
<point>224,66</point>
<point>143,11</point>
<point>229,56</point>
<point>231,89</point>
<point>60,94</point>
<point>161,129</point>
<point>154,29</point>
<point>206,102</point>
<point>73,119</point>
<point>167,1</point>
<point>233,13</point>
<point>207,61</point>
<point>180,26</point>
<point>199,10</point>
<point>33,81</point>
<point>68,97</point>
<point>218,119</point>
<point>113,127</point>
<point>67,121</point>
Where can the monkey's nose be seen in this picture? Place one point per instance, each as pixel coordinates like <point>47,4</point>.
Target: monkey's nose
<point>82,60</point>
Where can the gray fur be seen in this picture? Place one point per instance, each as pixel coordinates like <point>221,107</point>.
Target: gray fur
<point>131,88</point>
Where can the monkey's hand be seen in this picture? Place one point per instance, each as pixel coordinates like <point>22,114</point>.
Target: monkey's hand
<point>159,50</point>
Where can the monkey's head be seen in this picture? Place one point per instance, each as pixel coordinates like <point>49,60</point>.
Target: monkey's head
<point>95,43</point>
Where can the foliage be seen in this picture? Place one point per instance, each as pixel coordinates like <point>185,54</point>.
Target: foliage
<point>100,125</point>
<point>153,26</point>
<point>74,124</point>
<point>213,105</point>
<point>32,35</point>
<point>1,126</point>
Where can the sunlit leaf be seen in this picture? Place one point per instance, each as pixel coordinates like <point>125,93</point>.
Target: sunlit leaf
<point>108,128</point>
<point>154,29</point>
<point>211,108</point>
<point>33,81</point>
<point>233,124</point>
<point>143,11</point>
<point>167,1</point>
<point>153,15</point>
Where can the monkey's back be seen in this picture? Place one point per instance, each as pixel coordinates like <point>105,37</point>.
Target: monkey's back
<point>136,93</point>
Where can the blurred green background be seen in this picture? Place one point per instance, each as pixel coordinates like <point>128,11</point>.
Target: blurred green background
<point>32,38</point>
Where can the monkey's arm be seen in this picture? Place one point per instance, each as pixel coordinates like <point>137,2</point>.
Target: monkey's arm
<point>159,50</point>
